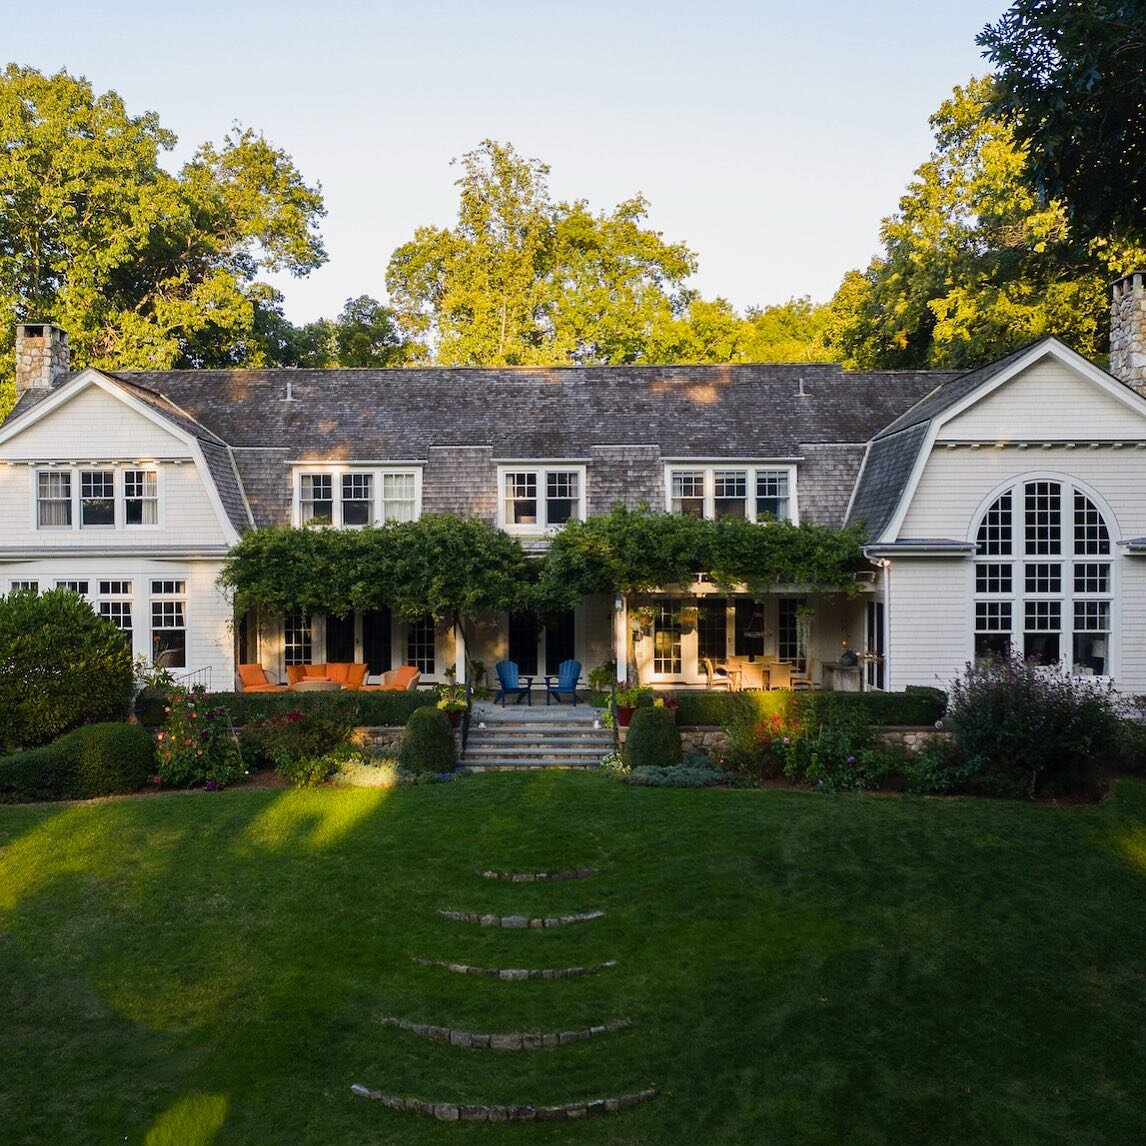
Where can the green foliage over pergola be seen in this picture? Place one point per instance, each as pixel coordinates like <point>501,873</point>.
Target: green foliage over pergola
<point>452,568</point>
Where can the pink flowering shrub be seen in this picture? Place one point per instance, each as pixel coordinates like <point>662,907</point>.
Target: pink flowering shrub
<point>196,745</point>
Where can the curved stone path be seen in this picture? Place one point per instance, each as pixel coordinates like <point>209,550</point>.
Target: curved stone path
<point>515,1040</point>
<point>457,1112</point>
<point>516,974</point>
<point>539,876</point>
<point>519,921</point>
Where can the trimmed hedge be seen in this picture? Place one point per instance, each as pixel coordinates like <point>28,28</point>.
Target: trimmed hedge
<point>369,708</point>
<point>96,760</point>
<point>916,706</point>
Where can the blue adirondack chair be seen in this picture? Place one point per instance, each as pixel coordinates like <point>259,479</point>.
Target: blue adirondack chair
<point>564,681</point>
<point>510,681</point>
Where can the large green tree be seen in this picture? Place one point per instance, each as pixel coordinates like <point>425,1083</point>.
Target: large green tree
<point>142,267</point>
<point>524,280</point>
<point>974,265</point>
<point>1071,81</point>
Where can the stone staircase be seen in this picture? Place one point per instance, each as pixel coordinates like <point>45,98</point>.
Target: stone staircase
<point>538,736</point>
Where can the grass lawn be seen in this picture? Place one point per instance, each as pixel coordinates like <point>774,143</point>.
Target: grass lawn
<point>214,967</point>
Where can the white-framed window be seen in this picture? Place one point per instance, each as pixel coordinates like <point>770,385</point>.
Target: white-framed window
<point>533,499</point>
<point>141,497</point>
<point>114,604</point>
<point>169,623</point>
<point>80,587</point>
<point>421,645</point>
<point>297,639</point>
<point>28,586</point>
<point>1044,577</point>
<point>354,496</point>
<point>104,498</point>
<point>748,492</point>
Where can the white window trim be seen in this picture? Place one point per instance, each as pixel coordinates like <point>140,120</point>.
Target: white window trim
<point>336,472</point>
<point>1018,559</point>
<point>541,470</point>
<point>119,496</point>
<point>710,469</point>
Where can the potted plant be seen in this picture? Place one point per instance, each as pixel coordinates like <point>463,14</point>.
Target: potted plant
<point>629,699</point>
<point>689,615</point>
<point>452,701</point>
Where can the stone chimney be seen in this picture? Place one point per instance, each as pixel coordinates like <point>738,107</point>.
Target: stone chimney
<point>41,355</point>
<point>1128,330</point>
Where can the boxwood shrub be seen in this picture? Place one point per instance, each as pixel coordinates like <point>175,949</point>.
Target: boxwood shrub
<point>653,739</point>
<point>428,745</point>
<point>95,760</point>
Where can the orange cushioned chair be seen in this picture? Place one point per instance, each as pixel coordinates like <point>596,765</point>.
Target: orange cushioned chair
<point>295,673</point>
<point>404,679</point>
<point>253,678</point>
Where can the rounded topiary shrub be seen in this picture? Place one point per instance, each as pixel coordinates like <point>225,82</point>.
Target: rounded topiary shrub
<point>61,665</point>
<point>95,760</point>
<point>653,739</point>
<point>428,745</point>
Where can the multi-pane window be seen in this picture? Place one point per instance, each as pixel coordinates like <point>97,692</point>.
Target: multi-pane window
<point>97,497</point>
<point>521,499</point>
<point>169,623</point>
<point>712,629</point>
<point>316,498</point>
<point>27,586</point>
<point>688,492</point>
<point>141,497</point>
<point>80,587</point>
<point>748,493</point>
<point>398,497</point>
<point>296,637</point>
<point>115,606</point>
<point>562,496</point>
<point>772,495</point>
<point>1064,606</point>
<point>666,639</point>
<point>357,499</point>
<point>420,645</point>
<point>53,499</point>
<point>730,493</point>
<point>788,630</point>
<point>541,498</point>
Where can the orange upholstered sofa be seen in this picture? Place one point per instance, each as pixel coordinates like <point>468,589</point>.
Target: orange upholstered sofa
<point>351,676</point>
<point>253,678</point>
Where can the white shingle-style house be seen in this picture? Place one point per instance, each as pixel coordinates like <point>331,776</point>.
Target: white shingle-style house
<point>1004,507</point>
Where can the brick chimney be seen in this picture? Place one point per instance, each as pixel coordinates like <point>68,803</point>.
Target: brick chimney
<point>41,355</point>
<point>1128,330</point>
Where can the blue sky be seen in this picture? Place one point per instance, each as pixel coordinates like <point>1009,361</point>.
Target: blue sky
<point>771,137</point>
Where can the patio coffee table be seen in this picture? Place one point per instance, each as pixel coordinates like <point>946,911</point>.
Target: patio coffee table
<point>316,686</point>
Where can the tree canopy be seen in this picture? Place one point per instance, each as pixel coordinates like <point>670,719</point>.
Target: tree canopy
<point>142,268</point>
<point>1071,82</point>
<point>974,265</point>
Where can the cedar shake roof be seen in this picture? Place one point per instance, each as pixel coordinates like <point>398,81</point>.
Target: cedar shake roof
<point>814,412</point>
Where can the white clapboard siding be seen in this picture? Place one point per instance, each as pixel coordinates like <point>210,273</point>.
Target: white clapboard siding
<point>1048,400</point>
<point>94,425</point>
<point>951,493</point>
<point>930,619</point>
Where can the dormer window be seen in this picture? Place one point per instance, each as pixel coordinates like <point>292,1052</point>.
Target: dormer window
<point>746,493</point>
<point>96,498</point>
<point>537,499</point>
<point>355,497</point>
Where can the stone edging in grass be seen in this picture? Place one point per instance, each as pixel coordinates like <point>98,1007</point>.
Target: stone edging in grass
<point>517,974</point>
<point>471,1112</point>
<point>519,921</point>
<point>538,876</point>
<point>515,1040</point>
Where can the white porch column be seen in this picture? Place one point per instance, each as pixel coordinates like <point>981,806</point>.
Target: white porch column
<point>621,636</point>
<point>459,653</point>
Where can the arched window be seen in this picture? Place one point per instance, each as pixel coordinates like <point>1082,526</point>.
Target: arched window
<point>1043,578</point>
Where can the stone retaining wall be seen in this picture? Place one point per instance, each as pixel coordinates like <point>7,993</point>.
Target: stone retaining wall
<point>513,1041</point>
<point>520,921</point>
<point>517,974</point>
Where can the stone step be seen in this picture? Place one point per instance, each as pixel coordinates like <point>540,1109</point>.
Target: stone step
<point>493,765</point>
